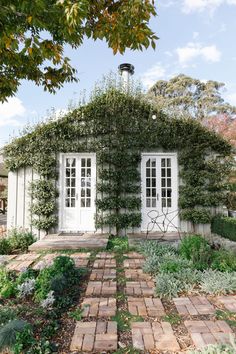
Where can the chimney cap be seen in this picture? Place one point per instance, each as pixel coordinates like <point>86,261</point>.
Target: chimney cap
<point>126,67</point>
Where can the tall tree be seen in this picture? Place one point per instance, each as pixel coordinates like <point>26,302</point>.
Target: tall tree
<point>33,35</point>
<point>186,96</point>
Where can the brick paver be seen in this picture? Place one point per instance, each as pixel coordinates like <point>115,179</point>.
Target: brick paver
<point>94,336</point>
<point>144,288</point>
<point>133,263</point>
<point>99,307</point>
<point>103,274</point>
<point>228,301</point>
<point>28,257</point>
<point>145,306</point>
<point>208,332</point>
<point>149,336</point>
<point>137,274</point>
<point>105,255</point>
<point>105,263</point>
<point>134,255</point>
<point>19,266</point>
<point>101,288</point>
<point>193,305</point>
<point>46,261</point>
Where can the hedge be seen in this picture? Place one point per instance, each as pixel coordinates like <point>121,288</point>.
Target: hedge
<point>224,226</point>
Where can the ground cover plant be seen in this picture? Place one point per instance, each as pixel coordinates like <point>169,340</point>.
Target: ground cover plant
<point>193,265</point>
<point>17,240</point>
<point>32,304</point>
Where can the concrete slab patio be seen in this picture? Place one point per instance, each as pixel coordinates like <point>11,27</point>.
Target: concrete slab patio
<point>60,242</point>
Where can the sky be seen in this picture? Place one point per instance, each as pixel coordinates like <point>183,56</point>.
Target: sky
<point>197,38</point>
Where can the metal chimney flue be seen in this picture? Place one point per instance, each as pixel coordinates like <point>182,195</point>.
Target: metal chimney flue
<point>126,70</point>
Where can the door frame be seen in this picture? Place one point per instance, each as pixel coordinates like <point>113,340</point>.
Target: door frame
<point>157,154</point>
<point>62,157</point>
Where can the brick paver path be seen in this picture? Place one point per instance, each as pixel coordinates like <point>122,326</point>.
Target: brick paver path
<point>143,288</point>
<point>46,261</point>
<point>208,332</point>
<point>103,274</point>
<point>101,288</point>
<point>28,257</point>
<point>105,255</point>
<point>19,266</point>
<point>134,263</point>
<point>99,307</point>
<point>149,336</point>
<point>134,255</point>
<point>105,263</point>
<point>95,336</point>
<point>228,301</point>
<point>137,274</point>
<point>193,305</point>
<point>151,307</point>
<point>81,259</point>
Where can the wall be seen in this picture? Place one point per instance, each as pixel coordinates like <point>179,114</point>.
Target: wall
<point>19,200</point>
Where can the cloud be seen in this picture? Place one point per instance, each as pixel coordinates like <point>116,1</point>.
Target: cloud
<point>189,6</point>
<point>156,72</point>
<point>10,110</point>
<point>197,50</point>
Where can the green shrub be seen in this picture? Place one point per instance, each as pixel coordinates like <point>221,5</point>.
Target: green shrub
<point>59,276</point>
<point>7,284</point>
<point>196,249</point>
<point>224,261</point>
<point>215,282</point>
<point>20,239</point>
<point>170,285</point>
<point>6,314</point>
<point>9,334</point>
<point>168,262</point>
<point>5,247</point>
<point>224,226</point>
<point>118,244</point>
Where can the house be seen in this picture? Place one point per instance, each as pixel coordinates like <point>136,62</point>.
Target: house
<point>116,164</point>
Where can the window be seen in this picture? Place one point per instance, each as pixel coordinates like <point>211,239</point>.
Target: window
<point>151,190</point>
<point>70,182</point>
<point>85,183</point>
<point>166,190</point>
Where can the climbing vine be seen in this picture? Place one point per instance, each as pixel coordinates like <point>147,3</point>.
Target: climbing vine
<point>118,127</point>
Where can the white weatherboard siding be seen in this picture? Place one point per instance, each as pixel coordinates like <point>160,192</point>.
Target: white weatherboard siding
<point>19,200</point>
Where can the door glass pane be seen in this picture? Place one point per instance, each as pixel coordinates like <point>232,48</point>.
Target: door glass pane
<point>151,191</point>
<point>85,183</point>
<point>166,183</point>
<point>70,182</point>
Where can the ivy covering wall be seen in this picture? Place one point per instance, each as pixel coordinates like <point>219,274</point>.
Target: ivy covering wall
<point>118,127</point>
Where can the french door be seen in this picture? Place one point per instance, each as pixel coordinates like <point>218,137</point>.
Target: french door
<point>159,174</point>
<point>77,192</point>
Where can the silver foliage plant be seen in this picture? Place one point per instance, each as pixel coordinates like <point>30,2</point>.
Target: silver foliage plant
<point>216,282</point>
<point>26,288</point>
<point>49,301</point>
<point>217,349</point>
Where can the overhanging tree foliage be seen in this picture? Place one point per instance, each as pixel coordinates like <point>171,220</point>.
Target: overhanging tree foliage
<point>33,35</point>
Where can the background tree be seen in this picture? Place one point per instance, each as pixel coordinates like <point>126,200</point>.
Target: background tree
<point>33,35</point>
<point>186,96</point>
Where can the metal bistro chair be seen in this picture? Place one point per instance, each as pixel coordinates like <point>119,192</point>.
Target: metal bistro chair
<point>162,220</point>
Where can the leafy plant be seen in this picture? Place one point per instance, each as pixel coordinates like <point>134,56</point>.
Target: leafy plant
<point>196,249</point>
<point>5,246</point>
<point>168,262</point>
<point>228,316</point>
<point>224,261</point>
<point>172,318</point>
<point>124,319</point>
<point>216,349</point>
<point>7,283</point>
<point>20,239</point>
<point>6,314</point>
<point>154,248</point>
<point>118,244</point>
<point>224,226</point>
<point>216,282</point>
<point>77,314</point>
<point>9,333</point>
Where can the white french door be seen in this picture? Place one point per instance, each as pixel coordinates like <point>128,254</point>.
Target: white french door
<point>159,174</point>
<point>77,192</point>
